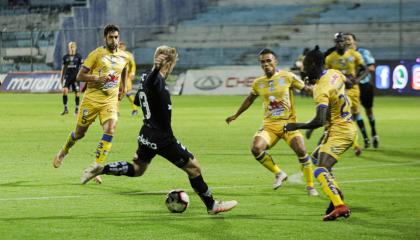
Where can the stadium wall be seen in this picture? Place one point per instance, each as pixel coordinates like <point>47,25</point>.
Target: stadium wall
<point>86,24</point>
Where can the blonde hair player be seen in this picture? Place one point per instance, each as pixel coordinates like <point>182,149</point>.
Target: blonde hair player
<point>156,136</point>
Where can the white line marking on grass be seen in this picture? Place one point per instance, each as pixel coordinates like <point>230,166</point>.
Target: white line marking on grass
<point>377,165</point>
<point>219,187</point>
<point>39,198</point>
<point>380,180</point>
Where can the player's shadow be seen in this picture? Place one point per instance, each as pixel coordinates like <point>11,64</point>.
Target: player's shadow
<point>138,193</point>
<point>396,153</point>
<point>360,209</point>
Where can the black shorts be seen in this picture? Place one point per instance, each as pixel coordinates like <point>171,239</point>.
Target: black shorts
<point>72,84</point>
<point>366,95</point>
<point>150,144</point>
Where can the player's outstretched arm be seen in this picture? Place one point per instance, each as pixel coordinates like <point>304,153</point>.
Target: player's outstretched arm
<point>318,121</point>
<point>244,106</point>
<point>308,89</point>
<point>123,85</point>
<point>84,76</point>
<point>63,71</point>
<point>362,73</point>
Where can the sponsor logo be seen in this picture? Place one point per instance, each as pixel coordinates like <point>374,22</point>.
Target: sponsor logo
<point>208,83</point>
<point>232,82</point>
<point>275,107</point>
<point>399,77</point>
<point>416,77</point>
<point>382,77</point>
<point>32,82</point>
<point>144,141</point>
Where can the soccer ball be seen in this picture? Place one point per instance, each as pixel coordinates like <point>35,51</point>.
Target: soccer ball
<point>177,201</point>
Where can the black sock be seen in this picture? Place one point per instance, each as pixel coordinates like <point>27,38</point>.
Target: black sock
<point>361,125</point>
<point>119,168</point>
<point>77,100</point>
<point>372,125</point>
<point>201,188</point>
<point>65,98</point>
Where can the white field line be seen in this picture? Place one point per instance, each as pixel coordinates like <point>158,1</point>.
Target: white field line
<point>220,187</point>
<point>377,165</point>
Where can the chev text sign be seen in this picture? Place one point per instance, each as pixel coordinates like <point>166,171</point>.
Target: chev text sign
<point>32,82</point>
<point>220,81</point>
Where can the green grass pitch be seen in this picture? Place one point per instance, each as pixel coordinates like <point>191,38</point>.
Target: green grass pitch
<point>382,187</point>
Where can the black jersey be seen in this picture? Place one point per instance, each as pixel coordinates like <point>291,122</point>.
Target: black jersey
<point>72,64</point>
<point>155,101</point>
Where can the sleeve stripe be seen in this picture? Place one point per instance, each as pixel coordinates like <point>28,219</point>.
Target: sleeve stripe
<point>86,68</point>
<point>322,106</point>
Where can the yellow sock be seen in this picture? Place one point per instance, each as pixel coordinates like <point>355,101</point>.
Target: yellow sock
<point>104,147</point>
<point>356,139</point>
<point>307,170</point>
<point>131,99</point>
<point>328,184</point>
<point>267,161</point>
<point>69,142</point>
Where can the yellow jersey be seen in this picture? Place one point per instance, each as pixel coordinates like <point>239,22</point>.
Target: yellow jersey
<point>346,63</point>
<point>329,91</point>
<point>131,65</point>
<point>277,94</point>
<point>102,62</point>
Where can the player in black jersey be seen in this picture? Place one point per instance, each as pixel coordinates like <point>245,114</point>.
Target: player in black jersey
<point>71,64</point>
<point>156,136</point>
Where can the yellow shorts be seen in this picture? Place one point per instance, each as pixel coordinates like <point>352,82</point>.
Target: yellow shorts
<point>338,140</point>
<point>354,96</point>
<point>272,132</point>
<point>89,111</point>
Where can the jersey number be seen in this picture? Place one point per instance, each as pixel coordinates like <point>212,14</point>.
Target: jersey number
<point>346,102</point>
<point>145,105</point>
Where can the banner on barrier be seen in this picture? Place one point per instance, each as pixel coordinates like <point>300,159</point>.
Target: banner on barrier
<point>397,77</point>
<point>220,81</point>
<point>32,82</point>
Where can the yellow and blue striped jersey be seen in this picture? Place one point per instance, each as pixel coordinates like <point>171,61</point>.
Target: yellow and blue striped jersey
<point>329,91</point>
<point>346,63</point>
<point>102,62</point>
<point>277,94</point>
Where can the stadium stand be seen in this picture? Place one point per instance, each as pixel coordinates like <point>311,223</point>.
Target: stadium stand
<point>206,32</point>
<point>287,27</point>
<point>28,32</point>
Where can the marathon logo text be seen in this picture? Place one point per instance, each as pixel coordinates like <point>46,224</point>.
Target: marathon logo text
<point>32,82</point>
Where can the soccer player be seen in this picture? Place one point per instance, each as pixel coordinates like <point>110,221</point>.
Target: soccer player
<point>276,89</point>
<point>104,70</point>
<point>130,76</point>
<point>365,84</point>
<point>348,62</point>
<point>156,136</point>
<point>69,69</point>
<point>333,107</point>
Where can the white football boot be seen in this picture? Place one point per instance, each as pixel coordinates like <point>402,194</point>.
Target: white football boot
<point>59,158</point>
<point>222,206</point>
<point>280,178</point>
<point>91,172</point>
<point>312,191</point>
